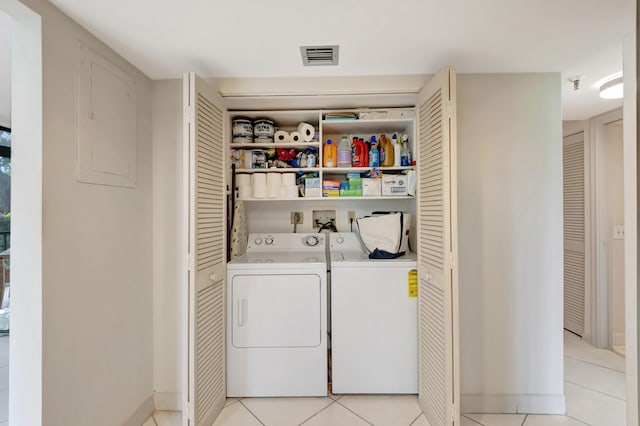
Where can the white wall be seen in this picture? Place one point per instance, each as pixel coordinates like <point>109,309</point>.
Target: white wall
<point>97,267</point>
<point>510,239</point>
<point>168,315</point>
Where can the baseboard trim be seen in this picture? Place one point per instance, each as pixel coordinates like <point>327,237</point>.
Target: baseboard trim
<point>142,413</point>
<point>168,401</point>
<point>618,339</point>
<point>513,404</point>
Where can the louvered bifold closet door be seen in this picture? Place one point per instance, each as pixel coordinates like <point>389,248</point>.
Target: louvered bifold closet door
<point>437,251</point>
<point>573,158</point>
<point>204,168</point>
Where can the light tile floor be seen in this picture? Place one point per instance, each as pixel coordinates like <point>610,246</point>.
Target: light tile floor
<point>594,391</point>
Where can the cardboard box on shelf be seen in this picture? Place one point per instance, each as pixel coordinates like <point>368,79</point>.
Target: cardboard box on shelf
<point>394,185</point>
<point>371,187</point>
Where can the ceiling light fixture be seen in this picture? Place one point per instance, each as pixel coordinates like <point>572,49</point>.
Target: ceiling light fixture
<point>612,89</point>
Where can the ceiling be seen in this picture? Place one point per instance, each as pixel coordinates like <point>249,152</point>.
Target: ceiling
<point>248,38</point>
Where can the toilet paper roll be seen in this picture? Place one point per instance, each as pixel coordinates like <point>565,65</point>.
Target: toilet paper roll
<point>242,180</point>
<point>288,179</point>
<point>307,131</point>
<point>281,137</point>
<point>244,192</point>
<point>259,180</point>
<point>296,137</point>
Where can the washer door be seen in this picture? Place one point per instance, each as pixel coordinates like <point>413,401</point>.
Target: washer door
<point>275,311</point>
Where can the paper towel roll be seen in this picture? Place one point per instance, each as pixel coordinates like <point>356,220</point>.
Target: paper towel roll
<point>281,137</point>
<point>288,179</point>
<point>244,192</point>
<point>307,131</point>
<point>243,179</point>
<point>259,192</point>
<point>274,180</point>
<point>290,191</point>
<point>248,159</point>
<point>296,137</point>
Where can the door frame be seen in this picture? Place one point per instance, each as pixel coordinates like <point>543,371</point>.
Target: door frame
<point>25,368</point>
<point>597,291</point>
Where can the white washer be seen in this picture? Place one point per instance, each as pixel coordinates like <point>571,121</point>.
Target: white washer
<point>374,338</point>
<point>277,317</point>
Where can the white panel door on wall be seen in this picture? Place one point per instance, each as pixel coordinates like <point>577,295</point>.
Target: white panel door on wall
<point>205,230</point>
<point>573,159</point>
<point>438,347</point>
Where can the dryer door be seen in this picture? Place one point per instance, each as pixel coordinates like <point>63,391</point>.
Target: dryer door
<point>275,311</point>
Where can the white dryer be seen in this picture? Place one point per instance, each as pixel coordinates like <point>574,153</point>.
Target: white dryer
<point>374,338</point>
<point>277,317</point>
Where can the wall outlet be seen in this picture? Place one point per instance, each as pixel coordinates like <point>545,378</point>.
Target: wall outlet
<point>323,216</point>
<point>299,217</point>
<point>351,215</point>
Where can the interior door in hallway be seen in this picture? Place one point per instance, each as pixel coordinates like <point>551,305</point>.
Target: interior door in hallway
<point>573,158</point>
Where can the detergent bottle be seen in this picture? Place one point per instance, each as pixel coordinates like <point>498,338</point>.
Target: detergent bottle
<point>374,154</point>
<point>344,152</point>
<point>405,158</point>
<point>356,153</point>
<point>364,160</point>
<point>397,150</point>
<point>386,151</point>
<point>330,154</point>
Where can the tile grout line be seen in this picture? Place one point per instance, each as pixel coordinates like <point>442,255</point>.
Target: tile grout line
<point>318,412</point>
<point>594,364</point>
<point>524,420</point>
<point>470,419</point>
<point>251,412</point>
<point>577,420</point>
<point>153,417</point>
<point>416,419</point>
<point>596,391</point>
<point>347,408</point>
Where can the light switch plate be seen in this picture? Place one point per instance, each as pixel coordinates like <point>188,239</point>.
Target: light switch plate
<point>618,232</point>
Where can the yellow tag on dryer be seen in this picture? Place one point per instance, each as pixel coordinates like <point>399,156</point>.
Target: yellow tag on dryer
<point>413,283</point>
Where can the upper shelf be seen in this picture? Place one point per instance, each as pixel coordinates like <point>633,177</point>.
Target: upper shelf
<point>282,119</point>
<point>366,126</point>
<point>302,145</point>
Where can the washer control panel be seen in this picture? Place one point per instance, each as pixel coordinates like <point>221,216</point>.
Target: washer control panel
<point>286,242</point>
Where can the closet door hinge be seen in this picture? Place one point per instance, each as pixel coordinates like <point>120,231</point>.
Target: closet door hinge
<point>451,258</point>
<point>188,114</point>
<point>187,411</point>
<point>453,414</point>
<point>188,258</point>
<point>450,107</point>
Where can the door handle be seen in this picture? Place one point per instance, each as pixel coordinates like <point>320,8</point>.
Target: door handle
<point>242,312</point>
<point>215,277</point>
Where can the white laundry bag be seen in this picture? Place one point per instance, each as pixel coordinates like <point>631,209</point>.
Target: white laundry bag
<point>383,235</point>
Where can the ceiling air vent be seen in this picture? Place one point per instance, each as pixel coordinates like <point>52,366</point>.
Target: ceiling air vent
<point>319,55</point>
